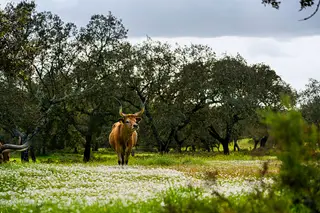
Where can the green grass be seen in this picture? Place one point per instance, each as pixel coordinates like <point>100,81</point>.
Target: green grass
<point>108,156</point>
<point>66,187</point>
<point>179,199</point>
<point>70,188</point>
<point>94,187</point>
<point>151,205</point>
<point>64,183</point>
<point>194,164</point>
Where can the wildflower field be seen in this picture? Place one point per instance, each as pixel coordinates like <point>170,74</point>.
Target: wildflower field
<point>151,183</point>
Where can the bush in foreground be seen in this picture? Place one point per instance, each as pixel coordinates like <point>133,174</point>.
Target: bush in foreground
<point>296,189</point>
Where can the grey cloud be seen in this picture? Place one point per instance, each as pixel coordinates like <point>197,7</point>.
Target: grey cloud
<point>205,18</point>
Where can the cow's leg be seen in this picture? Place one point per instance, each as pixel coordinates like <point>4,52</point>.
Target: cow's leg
<point>122,158</point>
<point>119,158</point>
<point>127,154</point>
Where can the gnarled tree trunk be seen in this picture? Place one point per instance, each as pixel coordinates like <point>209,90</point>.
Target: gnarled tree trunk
<point>235,144</point>
<point>225,145</point>
<point>87,148</point>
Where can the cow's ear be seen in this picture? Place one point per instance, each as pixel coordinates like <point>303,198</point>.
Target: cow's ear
<point>121,120</point>
<point>138,119</point>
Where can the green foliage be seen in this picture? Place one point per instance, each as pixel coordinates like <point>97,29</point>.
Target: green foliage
<point>300,174</point>
<point>295,190</point>
<point>63,79</point>
<point>239,93</point>
<point>309,100</point>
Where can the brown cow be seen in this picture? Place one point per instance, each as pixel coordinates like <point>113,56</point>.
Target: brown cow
<point>124,136</point>
<point>5,149</point>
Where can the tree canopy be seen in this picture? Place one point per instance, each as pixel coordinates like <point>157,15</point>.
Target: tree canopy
<point>61,81</point>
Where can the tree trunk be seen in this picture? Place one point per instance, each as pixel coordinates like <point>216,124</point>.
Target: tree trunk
<point>87,148</point>
<point>318,133</point>
<point>43,150</point>
<point>164,148</point>
<point>153,127</point>
<point>25,156</point>
<point>235,145</point>
<point>263,141</point>
<point>75,151</point>
<point>225,146</point>
<point>256,141</point>
<point>33,156</point>
<point>206,145</point>
<point>179,147</point>
<point>43,146</point>
<point>161,148</point>
<point>96,147</point>
<point>224,141</point>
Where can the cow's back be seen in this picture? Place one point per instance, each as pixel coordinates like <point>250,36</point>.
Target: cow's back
<point>115,140</point>
<point>114,135</point>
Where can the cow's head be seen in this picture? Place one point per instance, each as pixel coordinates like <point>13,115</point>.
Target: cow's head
<point>131,120</point>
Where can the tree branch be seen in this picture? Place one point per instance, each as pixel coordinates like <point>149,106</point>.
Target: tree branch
<point>130,102</point>
<point>314,12</point>
<point>214,133</point>
<point>150,118</point>
<point>41,79</point>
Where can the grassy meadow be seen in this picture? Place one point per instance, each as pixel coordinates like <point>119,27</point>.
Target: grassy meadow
<point>60,182</point>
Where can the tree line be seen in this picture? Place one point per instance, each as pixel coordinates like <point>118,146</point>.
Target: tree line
<point>58,85</point>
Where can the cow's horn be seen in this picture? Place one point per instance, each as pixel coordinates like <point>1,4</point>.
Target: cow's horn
<point>139,114</point>
<point>120,111</point>
<point>120,108</point>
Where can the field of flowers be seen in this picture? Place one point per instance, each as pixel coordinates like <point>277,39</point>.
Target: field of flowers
<point>97,187</point>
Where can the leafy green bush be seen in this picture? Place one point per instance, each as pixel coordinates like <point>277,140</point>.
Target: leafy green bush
<point>299,177</point>
<point>296,189</point>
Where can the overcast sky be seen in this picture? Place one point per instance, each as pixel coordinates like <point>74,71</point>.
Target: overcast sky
<point>258,33</point>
